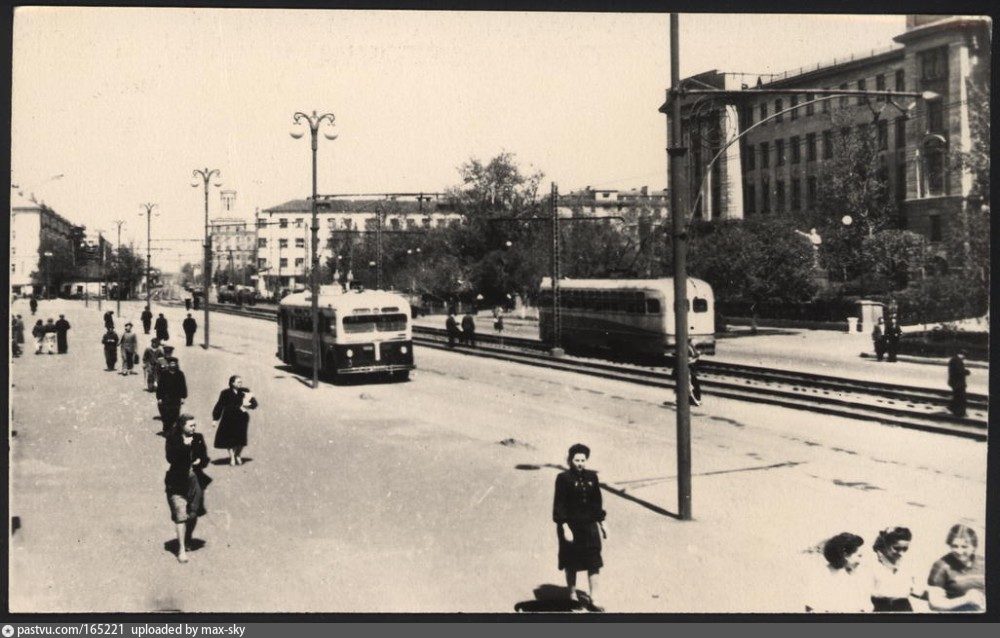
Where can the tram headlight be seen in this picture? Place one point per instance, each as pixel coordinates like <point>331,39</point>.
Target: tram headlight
<point>403,349</point>
<point>350,353</point>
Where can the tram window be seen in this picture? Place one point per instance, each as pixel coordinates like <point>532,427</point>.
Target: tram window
<point>391,323</point>
<point>390,309</point>
<point>700,305</point>
<point>653,306</point>
<point>359,323</point>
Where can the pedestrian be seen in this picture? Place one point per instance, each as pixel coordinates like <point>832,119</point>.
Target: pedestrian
<point>149,363</point>
<point>578,513</point>
<point>187,304</point>
<point>892,335</point>
<point>38,332</point>
<point>186,481</point>
<point>19,329</point>
<point>190,326</point>
<point>231,413</point>
<point>15,347</point>
<point>161,328</point>
<point>878,339</point>
<point>957,373</point>
<point>498,324</point>
<point>147,320</point>
<point>109,320</point>
<point>957,580</point>
<point>33,304</point>
<point>451,325</point>
<point>50,337</point>
<point>469,329</point>
<point>841,588</point>
<point>171,390</point>
<point>892,581</point>
<point>110,341</point>
<point>130,349</point>
<point>694,389</point>
<point>62,327</point>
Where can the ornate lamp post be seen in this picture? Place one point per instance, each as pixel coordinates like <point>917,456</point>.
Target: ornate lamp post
<point>149,215</point>
<point>206,176</point>
<point>314,122</point>
<point>118,268</point>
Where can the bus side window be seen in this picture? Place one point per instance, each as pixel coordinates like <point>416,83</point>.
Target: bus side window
<point>700,305</point>
<point>653,306</point>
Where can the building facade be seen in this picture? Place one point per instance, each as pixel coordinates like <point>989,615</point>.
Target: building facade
<point>283,232</point>
<point>34,229</point>
<point>234,242</point>
<point>590,201</point>
<point>776,165</point>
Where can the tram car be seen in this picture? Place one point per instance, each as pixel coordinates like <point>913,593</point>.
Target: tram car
<point>361,332</point>
<point>628,317</point>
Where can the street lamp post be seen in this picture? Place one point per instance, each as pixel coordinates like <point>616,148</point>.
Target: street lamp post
<point>314,122</point>
<point>206,175</point>
<point>149,215</point>
<point>118,269</point>
<point>48,273</point>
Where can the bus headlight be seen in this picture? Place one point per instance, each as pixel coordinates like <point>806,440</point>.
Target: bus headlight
<point>403,350</point>
<point>350,353</point>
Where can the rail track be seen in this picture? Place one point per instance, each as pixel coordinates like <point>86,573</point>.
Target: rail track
<point>898,405</point>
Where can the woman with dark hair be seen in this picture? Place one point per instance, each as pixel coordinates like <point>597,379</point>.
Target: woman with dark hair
<point>185,480</point>
<point>892,582</point>
<point>957,580</point>
<point>231,412</point>
<point>839,589</point>
<point>578,513</point>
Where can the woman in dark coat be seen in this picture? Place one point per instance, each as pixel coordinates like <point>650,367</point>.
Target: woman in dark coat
<point>185,481</point>
<point>232,413</point>
<point>578,513</point>
<point>161,328</point>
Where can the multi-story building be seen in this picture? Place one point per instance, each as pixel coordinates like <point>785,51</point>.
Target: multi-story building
<point>775,167</point>
<point>234,244</point>
<point>283,231</point>
<point>34,229</point>
<point>608,202</point>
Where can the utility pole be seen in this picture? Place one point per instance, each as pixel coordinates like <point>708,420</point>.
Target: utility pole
<point>149,215</point>
<point>556,351</point>
<point>206,175</point>
<point>118,264</point>
<point>676,153</point>
<point>378,247</point>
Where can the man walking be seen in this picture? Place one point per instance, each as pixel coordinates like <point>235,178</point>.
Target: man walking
<point>110,341</point>
<point>161,328</point>
<point>33,304</point>
<point>109,320</point>
<point>190,325</point>
<point>187,304</point>
<point>892,334</point>
<point>469,329</point>
<point>129,346</point>
<point>171,390</point>
<point>957,374</point>
<point>19,330</point>
<point>150,363</point>
<point>878,340</point>
<point>147,320</point>
<point>62,327</point>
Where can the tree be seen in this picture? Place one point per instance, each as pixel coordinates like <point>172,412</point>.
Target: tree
<point>126,270</point>
<point>55,268</point>
<point>187,274</point>
<point>889,257</point>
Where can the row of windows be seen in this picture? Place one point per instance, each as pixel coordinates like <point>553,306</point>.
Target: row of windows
<point>612,301</point>
<point>348,223</point>
<point>282,262</point>
<point>807,98</point>
<point>793,150</point>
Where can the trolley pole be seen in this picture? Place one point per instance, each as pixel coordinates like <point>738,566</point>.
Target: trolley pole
<point>676,153</point>
<point>556,351</point>
<point>149,215</point>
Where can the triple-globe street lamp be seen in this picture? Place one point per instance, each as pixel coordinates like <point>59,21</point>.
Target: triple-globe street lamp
<point>149,215</point>
<point>206,176</point>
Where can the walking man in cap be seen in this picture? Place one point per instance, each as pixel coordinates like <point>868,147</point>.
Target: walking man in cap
<point>129,346</point>
<point>147,320</point>
<point>190,326</point>
<point>62,327</point>
<point>150,363</point>
<point>171,390</point>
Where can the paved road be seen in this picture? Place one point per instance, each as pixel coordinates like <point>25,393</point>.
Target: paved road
<point>435,495</point>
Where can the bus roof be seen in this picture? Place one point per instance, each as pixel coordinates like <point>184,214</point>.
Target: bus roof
<point>346,301</point>
<point>663,284</point>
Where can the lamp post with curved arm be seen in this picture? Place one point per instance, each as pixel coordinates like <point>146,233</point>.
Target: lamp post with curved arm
<point>314,121</point>
<point>206,176</point>
<point>149,215</point>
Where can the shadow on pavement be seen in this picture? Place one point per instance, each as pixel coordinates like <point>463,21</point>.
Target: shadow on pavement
<point>173,547</point>
<point>225,460</point>
<point>550,598</point>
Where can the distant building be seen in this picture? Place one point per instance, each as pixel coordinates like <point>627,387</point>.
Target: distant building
<point>591,201</point>
<point>234,241</point>
<point>775,168</point>
<point>284,231</point>
<point>34,228</point>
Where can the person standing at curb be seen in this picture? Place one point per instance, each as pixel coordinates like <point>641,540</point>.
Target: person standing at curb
<point>185,481</point>
<point>878,339</point>
<point>62,327</point>
<point>469,329</point>
<point>147,320</point>
<point>129,346</point>
<point>451,325</point>
<point>957,373</point>
<point>578,512</point>
<point>892,335</point>
<point>231,412</point>
<point>190,326</point>
<point>110,341</point>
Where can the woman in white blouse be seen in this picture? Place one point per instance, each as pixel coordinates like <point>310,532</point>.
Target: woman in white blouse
<point>892,581</point>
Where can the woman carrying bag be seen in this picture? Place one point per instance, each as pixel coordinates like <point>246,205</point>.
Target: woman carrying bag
<point>231,412</point>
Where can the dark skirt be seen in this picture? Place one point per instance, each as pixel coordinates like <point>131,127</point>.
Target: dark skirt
<point>232,433</point>
<point>186,499</point>
<point>584,553</point>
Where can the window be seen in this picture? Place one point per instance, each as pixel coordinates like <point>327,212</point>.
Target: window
<point>411,223</point>
<point>299,262</point>
<point>796,193</point>
<point>282,243</point>
<point>826,103</point>
<point>442,223</point>
<point>700,305</point>
<point>751,157</point>
<point>933,64</point>
<point>763,111</point>
<point>747,116</point>
<point>777,109</point>
<point>300,242</point>
<point>810,191</point>
<point>283,263</point>
<point>900,179</point>
<point>426,222</point>
<point>900,132</point>
<point>298,222</point>
<point>370,223</point>
<point>883,135</point>
<point>843,98</point>
<point>765,196</point>
<point>880,86</point>
<point>394,223</point>
<point>795,148</point>
<point>933,165</point>
<point>261,223</point>
<point>809,106</point>
<point>262,242</point>
<point>765,155</point>
<point>653,306</point>
<point>283,223</point>
<point>862,99</point>
<point>348,223</point>
<point>750,199</point>
<point>779,151</point>
<point>935,221</point>
<point>811,147</point>
<point>331,222</point>
<point>794,101</point>
<point>900,80</point>
<point>261,263</point>
<point>935,117</point>
<point>779,196</point>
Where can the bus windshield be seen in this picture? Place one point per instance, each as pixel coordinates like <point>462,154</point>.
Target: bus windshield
<point>370,323</point>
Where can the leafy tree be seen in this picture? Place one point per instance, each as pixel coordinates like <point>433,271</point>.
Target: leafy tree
<point>187,274</point>
<point>889,257</point>
<point>126,269</point>
<point>56,268</point>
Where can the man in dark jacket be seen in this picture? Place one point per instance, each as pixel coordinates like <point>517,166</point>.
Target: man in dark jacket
<point>110,341</point>
<point>150,363</point>
<point>109,320</point>
<point>62,327</point>
<point>161,328</point>
<point>171,390</point>
<point>892,334</point>
<point>451,325</point>
<point>33,304</point>
<point>957,374</point>
<point>147,320</point>
<point>469,329</point>
<point>190,325</point>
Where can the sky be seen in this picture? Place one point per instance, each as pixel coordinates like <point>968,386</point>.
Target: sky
<point>125,103</point>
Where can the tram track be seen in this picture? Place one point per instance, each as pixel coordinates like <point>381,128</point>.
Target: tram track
<point>891,404</point>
